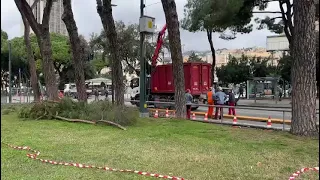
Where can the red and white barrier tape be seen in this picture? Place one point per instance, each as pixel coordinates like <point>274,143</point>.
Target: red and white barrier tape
<point>296,174</point>
<point>37,153</point>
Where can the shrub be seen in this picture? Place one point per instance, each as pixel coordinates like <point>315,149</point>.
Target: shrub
<point>9,108</point>
<point>100,110</point>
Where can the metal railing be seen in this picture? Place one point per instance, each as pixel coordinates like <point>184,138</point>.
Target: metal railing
<point>247,107</point>
<point>24,95</point>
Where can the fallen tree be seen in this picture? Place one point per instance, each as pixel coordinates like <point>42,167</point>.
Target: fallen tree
<point>68,110</point>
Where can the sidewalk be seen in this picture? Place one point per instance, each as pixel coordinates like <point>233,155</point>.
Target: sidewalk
<point>285,103</point>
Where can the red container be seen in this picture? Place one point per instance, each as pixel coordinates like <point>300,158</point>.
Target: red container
<point>197,78</point>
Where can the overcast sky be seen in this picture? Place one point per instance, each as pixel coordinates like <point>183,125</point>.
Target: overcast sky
<point>88,21</point>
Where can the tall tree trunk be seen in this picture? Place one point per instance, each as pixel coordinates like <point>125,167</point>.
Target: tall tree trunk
<point>304,70</point>
<point>78,52</point>
<point>213,54</point>
<point>43,38</point>
<point>47,67</point>
<point>170,11</point>
<point>105,12</point>
<point>31,61</point>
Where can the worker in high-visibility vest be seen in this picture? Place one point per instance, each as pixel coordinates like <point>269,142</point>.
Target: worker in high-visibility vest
<point>210,98</point>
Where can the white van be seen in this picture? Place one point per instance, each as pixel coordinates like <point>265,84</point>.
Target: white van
<point>70,90</point>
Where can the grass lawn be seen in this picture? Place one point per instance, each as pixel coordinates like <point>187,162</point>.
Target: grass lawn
<point>191,150</point>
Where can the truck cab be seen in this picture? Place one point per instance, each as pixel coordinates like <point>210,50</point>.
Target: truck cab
<point>135,90</point>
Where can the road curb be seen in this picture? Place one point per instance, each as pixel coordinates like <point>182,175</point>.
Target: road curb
<point>248,118</point>
<point>241,125</point>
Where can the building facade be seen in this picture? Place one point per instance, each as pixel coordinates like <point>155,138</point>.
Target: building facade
<point>56,25</point>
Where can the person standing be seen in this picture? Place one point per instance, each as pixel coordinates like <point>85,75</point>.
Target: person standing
<point>106,93</point>
<point>220,98</point>
<point>231,102</point>
<point>189,99</point>
<point>96,94</point>
<point>241,91</point>
<point>210,98</point>
<point>280,93</point>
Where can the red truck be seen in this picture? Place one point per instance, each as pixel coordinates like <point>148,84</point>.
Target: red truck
<point>160,86</point>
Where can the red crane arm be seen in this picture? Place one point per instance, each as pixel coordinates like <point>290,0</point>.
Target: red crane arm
<point>161,36</point>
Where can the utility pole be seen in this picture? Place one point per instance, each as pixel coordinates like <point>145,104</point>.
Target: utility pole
<point>143,105</point>
<point>10,89</point>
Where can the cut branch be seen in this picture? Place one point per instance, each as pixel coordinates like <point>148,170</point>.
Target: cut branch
<point>113,123</point>
<point>74,120</point>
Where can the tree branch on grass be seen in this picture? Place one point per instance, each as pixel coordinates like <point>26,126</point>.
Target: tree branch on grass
<point>89,122</point>
<point>113,123</point>
<point>74,120</point>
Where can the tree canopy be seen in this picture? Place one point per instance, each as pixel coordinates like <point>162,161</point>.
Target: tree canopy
<point>4,41</point>
<point>16,63</point>
<point>60,48</point>
<point>61,57</point>
<point>239,70</point>
<point>217,16</point>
